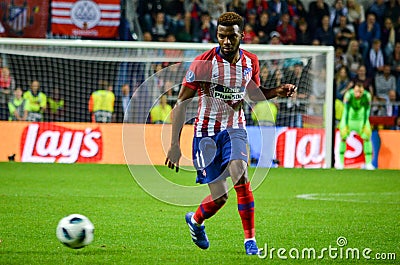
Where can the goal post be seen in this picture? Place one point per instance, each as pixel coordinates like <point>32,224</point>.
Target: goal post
<point>75,67</point>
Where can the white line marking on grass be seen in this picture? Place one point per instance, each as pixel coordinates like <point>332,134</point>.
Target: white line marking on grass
<point>375,197</point>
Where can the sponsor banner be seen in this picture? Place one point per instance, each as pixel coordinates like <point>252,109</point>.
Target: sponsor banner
<point>98,18</point>
<point>59,142</point>
<point>304,148</point>
<point>24,18</point>
<point>47,142</point>
<point>300,148</point>
<point>146,145</point>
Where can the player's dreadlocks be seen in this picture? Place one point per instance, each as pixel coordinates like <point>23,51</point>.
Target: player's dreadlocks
<point>230,19</point>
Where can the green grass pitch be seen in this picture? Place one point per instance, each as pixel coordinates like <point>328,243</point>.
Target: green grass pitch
<point>131,227</point>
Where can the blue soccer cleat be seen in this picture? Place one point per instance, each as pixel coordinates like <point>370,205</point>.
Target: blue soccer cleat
<point>251,248</point>
<point>198,233</point>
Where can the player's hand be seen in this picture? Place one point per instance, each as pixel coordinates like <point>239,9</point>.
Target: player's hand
<point>286,90</point>
<point>173,157</point>
<point>366,133</point>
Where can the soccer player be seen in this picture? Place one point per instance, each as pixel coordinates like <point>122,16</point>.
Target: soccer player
<point>355,117</point>
<point>221,77</point>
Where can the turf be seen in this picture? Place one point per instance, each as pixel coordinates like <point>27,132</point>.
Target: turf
<point>132,227</point>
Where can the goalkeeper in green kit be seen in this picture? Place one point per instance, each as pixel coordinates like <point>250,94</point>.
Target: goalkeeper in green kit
<point>357,105</point>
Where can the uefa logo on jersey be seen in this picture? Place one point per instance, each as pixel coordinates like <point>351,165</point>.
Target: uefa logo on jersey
<point>85,14</point>
<point>190,77</point>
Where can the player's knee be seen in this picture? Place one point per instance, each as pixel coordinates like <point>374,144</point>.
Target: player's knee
<point>237,170</point>
<point>221,200</point>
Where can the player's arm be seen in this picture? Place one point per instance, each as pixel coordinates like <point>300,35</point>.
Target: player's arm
<point>263,93</point>
<point>179,114</point>
<point>344,122</point>
<point>367,110</point>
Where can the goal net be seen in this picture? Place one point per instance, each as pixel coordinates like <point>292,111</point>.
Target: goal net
<point>149,73</point>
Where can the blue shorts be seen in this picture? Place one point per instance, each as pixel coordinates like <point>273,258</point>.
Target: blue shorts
<point>212,154</point>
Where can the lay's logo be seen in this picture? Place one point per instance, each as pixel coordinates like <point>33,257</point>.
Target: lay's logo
<point>49,143</point>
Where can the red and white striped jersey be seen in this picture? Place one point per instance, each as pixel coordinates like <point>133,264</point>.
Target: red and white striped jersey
<point>221,87</point>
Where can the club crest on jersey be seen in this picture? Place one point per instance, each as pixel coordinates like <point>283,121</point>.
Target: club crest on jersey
<point>190,77</point>
<point>247,73</point>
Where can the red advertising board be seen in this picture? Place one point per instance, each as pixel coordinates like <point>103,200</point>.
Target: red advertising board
<point>306,148</point>
<point>97,18</point>
<point>24,18</point>
<point>49,143</point>
<point>148,144</point>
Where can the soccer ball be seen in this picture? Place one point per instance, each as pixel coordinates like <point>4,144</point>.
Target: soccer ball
<point>75,231</point>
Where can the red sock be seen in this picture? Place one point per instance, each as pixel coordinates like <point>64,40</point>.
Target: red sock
<point>207,208</point>
<point>246,208</point>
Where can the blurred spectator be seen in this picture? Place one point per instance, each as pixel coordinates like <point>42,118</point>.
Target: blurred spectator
<point>378,8</point>
<point>264,113</point>
<point>287,31</point>
<point>277,78</point>
<point>7,86</point>
<point>392,108</point>
<point>161,27</point>
<point>147,10</point>
<point>341,81</point>
<point>296,11</point>
<point>264,27</point>
<point>175,13</point>
<point>265,76</point>
<point>122,103</point>
<point>236,6</point>
<point>394,60</point>
<point>17,106</point>
<point>215,8</point>
<point>315,42</point>
<point>161,113</point>
<point>376,59</point>
<point>276,9</point>
<point>36,102</point>
<point>388,38</point>
<point>147,36</point>
<point>353,57</point>
<point>364,79</point>
<point>249,36</point>
<point>336,11</point>
<point>193,11</point>
<point>324,34</point>
<point>368,31</point>
<point>126,97</point>
<point>384,82</point>
<point>296,75</point>
<point>303,35</point>
<point>172,53</point>
<point>344,32</point>
<point>275,38</point>
<point>355,14</point>
<point>340,59</point>
<point>251,17</point>
<point>392,11</point>
<point>256,7</point>
<point>317,95</point>
<point>316,10</point>
<point>55,106</point>
<point>101,103</point>
<point>208,29</point>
